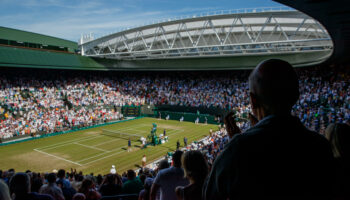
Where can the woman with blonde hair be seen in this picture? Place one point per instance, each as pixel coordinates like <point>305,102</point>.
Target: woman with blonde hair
<point>196,170</point>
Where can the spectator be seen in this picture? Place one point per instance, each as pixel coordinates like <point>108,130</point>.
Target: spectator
<point>30,104</point>
<point>61,176</point>
<point>76,184</point>
<point>145,193</point>
<point>89,190</point>
<point>113,170</point>
<point>65,185</point>
<point>20,188</point>
<point>168,179</point>
<point>143,160</point>
<point>37,182</point>
<point>177,145</point>
<point>163,164</point>
<point>133,185</point>
<point>51,188</point>
<point>196,170</point>
<point>129,145</point>
<point>111,185</point>
<point>4,191</point>
<point>278,157</point>
<point>79,196</point>
<point>339,136</point>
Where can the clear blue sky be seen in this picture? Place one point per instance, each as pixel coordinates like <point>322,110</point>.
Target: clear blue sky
<point>69,19</point>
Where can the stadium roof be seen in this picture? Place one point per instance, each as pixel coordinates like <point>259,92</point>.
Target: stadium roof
<point>30,37</point>
<point>223,40</point>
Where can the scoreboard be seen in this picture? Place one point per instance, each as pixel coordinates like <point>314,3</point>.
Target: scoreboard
<point>131,111</point>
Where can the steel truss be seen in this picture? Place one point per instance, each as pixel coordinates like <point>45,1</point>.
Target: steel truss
<point>218,35</point>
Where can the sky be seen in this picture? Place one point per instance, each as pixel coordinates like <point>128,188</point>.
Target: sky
<point>68,19</point>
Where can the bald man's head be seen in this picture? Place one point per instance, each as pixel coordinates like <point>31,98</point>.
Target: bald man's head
<point>274,86</point>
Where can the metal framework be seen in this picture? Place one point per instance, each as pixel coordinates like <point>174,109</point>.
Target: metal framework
<point>233,34</point>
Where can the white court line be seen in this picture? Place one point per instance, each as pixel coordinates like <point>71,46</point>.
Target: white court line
<point>100,154</point>
<point>104,157</point>
<point>91,147</point>
<point>113,139</point>
<point>174,131</point>
<point>57,157</point>
<point>70,142</point>
<point>93,156</point>
<point>109,142</point>
<point>105,152</point>
<point>99,144</point>
<point>76,140</point>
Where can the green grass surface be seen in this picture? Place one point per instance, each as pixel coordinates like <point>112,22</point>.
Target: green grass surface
<point>91,150</point>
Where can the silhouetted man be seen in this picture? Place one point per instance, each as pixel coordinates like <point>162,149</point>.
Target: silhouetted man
<point>278,157</point>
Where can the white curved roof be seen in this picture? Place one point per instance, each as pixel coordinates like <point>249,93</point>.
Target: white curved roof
<point>253,33</point>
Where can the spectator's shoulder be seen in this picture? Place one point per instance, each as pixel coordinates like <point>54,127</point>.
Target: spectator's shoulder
<point>232,148</point>
<point>242,137</point>
<point>316,138</point>
<point>165,171</point>
<point>229,152</point>
<point>36,196</point>
<point>160,176</point>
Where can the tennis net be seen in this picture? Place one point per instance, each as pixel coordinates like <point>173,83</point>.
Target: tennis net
<point>117,134</point>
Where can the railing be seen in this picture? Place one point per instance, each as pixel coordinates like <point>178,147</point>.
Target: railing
<point>230,49</point>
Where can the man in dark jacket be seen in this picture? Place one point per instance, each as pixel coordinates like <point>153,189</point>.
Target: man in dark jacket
<point>278,157</point>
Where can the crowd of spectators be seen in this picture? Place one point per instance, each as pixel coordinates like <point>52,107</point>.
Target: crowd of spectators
<point>49,103</point>
<point>74,185</point>
<point>324,98</point>
<point>324,101</point>
<point>182,177</point>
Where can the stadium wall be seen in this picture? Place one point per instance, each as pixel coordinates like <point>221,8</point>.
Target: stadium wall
<point>238,62</point>
<point>12,36</point>
<point>28,58</point>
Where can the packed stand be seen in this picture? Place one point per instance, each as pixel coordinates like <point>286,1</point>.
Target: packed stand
<point>160,183</point>
<point>31,104</point>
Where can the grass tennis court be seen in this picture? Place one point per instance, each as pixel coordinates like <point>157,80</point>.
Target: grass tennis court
<point>92,150</point>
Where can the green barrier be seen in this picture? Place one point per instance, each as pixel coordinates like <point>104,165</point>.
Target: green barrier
<point>65,132</point>
<point>190,117</point>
